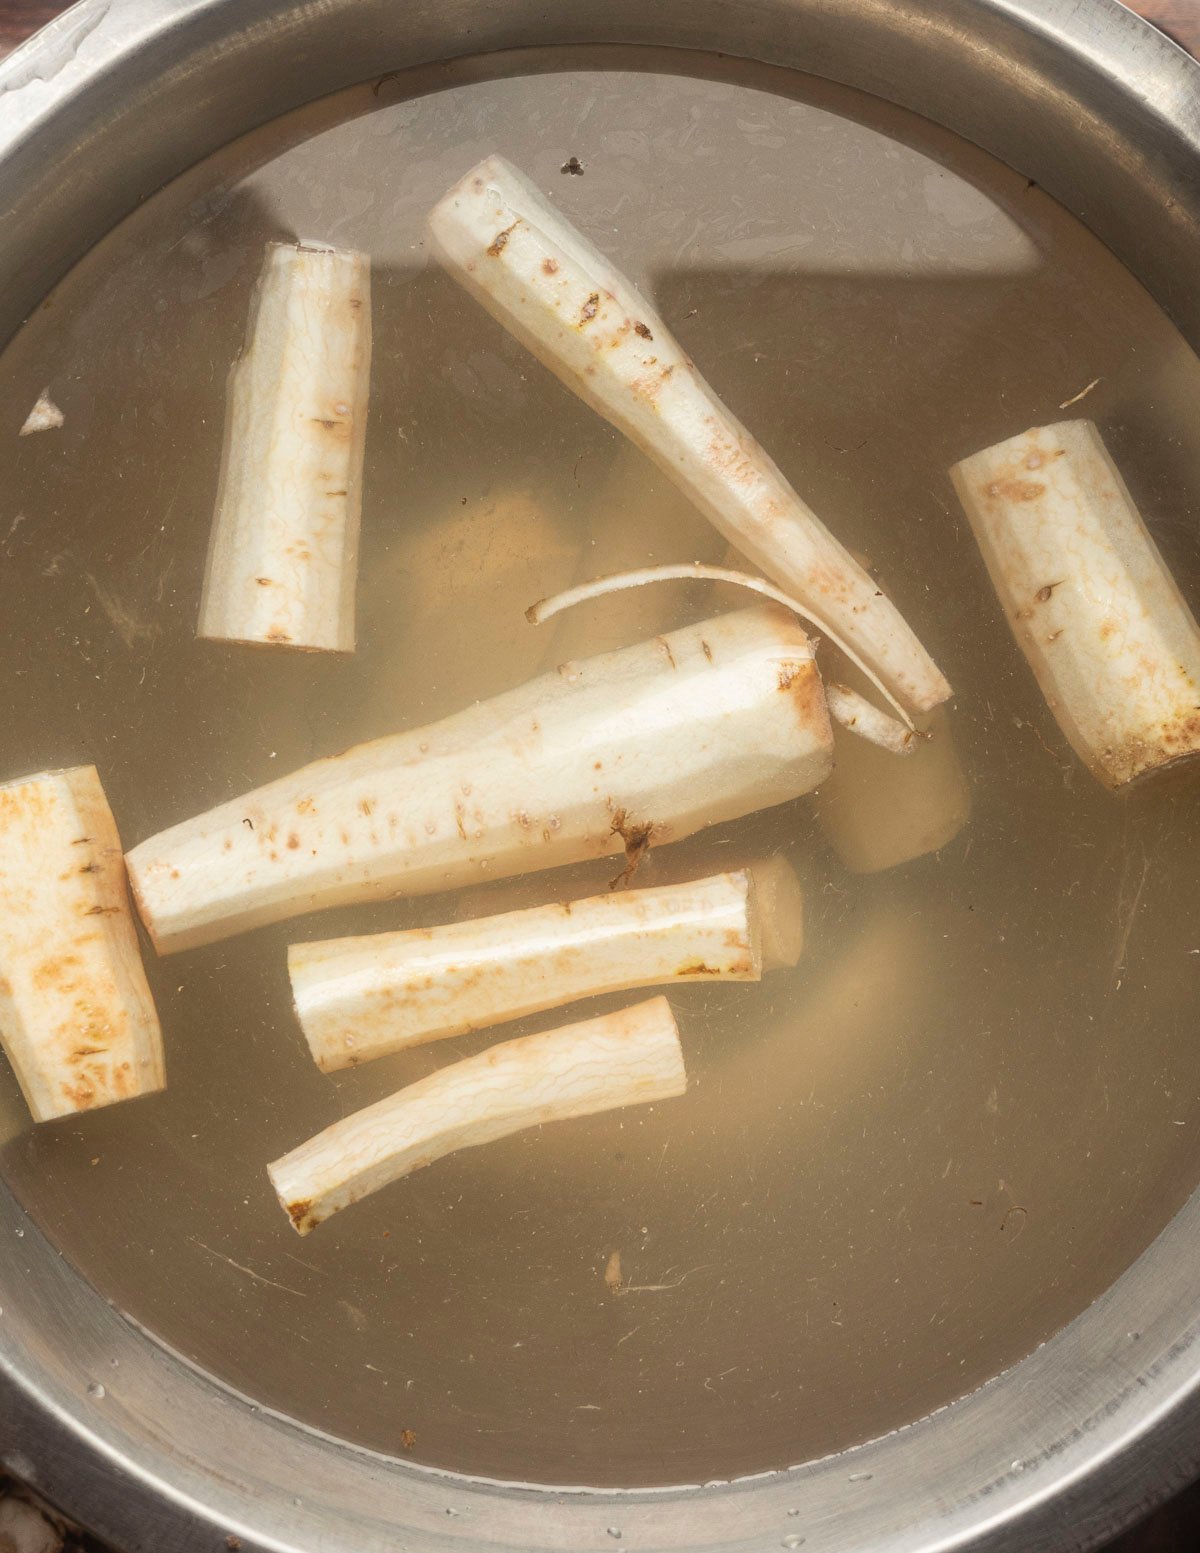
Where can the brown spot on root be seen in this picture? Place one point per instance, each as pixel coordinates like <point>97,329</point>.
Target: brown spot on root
<point>807,694</point>
<point>788,673</point>
<point>81,841</point>
<point>408,1439</point>
<point>496,246</point>
<point>1043,595</point>
<point>460,820</point>
<point>1015,490</point>
<point>81,1052</point>
<point>637,843</point>
<point>293,841</point>
<point>590,308</point>
<point>666,647</point>
<point>696,968</point>
<point>90,868</point>
<point>81,1094</point>
<point>366,807</point>
<point>304,806</point>
<point>549,266</point>
<point>55,972</point>
<point>640,328</point>
<point>277,634</point>
<point>706,650</point>
<point>299,1213</point>
<point>1177,739</point>
<point>102,911</point>
<point>263,582</point>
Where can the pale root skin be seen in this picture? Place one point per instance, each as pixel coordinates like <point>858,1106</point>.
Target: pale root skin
<point>283,557</point>
<point>1105,629</point>
<point>77,1021</point>
<point>695,572</point>
<point>628,1058</point>
<point>854,712</point>
<point>548,285</point>
<point>777,895</point>
<point>611,754</point>
<point>361,998</point>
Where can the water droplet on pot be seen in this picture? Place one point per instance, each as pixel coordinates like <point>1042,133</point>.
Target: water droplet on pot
<point>96,1390</point>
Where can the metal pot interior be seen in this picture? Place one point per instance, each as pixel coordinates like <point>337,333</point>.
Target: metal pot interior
<point>901,1168</point>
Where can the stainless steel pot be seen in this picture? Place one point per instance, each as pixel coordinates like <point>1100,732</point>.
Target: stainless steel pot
<point>96,113</point>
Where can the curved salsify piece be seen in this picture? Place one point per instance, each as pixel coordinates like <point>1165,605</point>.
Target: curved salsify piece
<point>555,292</point>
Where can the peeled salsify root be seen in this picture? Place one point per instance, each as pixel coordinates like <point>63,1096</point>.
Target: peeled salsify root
<point>611,754</point>
<point>1106,631</point>
<point>860,716</point>
<point>360,998</point>
<point>76,1018</point>
<point>582,318</point>
<point>283,557</point>
<point>777,896</point>
<point>628,1058</point>
<point>853,708</point>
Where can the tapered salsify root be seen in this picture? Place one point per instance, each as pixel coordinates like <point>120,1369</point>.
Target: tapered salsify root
<point>632,1057</point>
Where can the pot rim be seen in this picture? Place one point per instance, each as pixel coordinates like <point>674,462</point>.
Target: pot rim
<point>1096,1425</point>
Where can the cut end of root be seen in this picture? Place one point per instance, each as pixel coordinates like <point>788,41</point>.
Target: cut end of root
<point>856,714</point>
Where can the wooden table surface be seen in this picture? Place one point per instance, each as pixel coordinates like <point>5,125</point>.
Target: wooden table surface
<point>1181,18</point>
